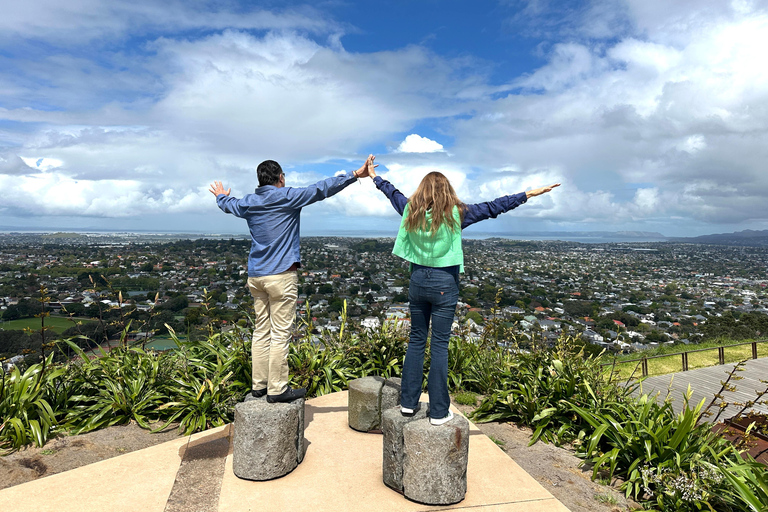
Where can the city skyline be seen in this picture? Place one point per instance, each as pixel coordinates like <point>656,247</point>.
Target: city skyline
<point>118,115</point>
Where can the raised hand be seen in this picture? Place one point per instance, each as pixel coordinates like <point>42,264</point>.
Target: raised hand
<point>217,189</point>
<point>540,190</point>
<point>367,169</point>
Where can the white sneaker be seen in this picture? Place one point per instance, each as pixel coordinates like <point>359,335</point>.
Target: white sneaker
<point>405,411</point>
<point>440,421</point>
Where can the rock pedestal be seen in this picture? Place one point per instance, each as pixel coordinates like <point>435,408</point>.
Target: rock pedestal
<point>427,463</point>
<point>268,439</point>
<point>368,397</point>
<point>392,423</point>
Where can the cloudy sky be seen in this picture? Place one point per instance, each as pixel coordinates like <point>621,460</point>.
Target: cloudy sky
<point>652,114</point>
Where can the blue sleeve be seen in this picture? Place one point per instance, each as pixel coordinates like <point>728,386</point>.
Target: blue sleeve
<point>229,204</point>
<point>395,197</point>
<point>300,197</point>
<point>492,209</point>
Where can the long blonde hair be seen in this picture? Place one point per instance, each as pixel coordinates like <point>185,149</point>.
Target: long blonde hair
<point>434,193</point>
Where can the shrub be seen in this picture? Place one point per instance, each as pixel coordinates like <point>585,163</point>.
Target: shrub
<point>25,405</point>
<point>537,388</point>
<point>748,482</point>
<point>205,380</point>
<point>27,416</point>
<point>659,454</point>
<point>113,389</point>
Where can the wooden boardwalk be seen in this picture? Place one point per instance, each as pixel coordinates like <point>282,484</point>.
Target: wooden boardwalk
<point>705,382</point>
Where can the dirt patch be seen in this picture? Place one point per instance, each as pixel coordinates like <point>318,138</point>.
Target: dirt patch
<point>70,452</point>
<point>556,469</point>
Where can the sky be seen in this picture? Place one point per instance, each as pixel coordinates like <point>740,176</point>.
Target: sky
<point>653,115</point>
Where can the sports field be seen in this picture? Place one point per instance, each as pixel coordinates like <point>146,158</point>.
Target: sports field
<point>56,323</point>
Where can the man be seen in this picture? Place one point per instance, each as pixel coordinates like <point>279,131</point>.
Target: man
<point>273,216</point>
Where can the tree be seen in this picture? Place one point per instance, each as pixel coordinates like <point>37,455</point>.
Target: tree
<point>476,317</point>
<point>75,309</point>
<point>175,304</point>
<point>336,305</point>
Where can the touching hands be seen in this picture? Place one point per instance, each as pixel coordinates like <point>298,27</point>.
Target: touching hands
<point>367,169</point>
<point>540,190</point>
<point>217,189</point>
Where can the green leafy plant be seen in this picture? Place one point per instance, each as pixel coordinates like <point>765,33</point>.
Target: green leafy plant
<point>538,386</point>
<point>465,398</point>
<point>205,380</point>
<point>645,443</point>
<point>25,409</point>
<point>320,369</point>
<point>748,481</point>
<point>113,389</point>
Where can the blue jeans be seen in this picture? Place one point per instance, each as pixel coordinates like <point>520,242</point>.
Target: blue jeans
<point>433,295</point>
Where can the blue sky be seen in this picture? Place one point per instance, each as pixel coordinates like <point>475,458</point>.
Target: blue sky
<point>652,114</point>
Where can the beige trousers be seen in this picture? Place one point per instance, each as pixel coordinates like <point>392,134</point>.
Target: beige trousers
<point>274,299</point>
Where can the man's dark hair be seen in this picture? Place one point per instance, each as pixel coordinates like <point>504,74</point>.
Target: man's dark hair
<point>269,172</point>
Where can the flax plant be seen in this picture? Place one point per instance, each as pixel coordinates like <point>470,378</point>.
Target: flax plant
<point>25,406</point>
<point>113,388</point>
<point>537,388</point>
<point>642,440</point>
<point>206,379</point>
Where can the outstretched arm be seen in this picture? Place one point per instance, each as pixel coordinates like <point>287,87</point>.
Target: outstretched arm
<point>226,203</point>
<point>300,197</point>
<point>492,209</point>
<point>395,197</point>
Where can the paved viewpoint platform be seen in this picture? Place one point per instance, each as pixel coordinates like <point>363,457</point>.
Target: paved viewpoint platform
<point>340,472</point>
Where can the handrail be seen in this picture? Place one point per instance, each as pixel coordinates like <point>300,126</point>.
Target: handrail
<point>684,355</point>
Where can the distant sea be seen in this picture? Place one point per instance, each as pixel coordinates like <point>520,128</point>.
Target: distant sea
<point>588,237</point>
<point>593,237</point>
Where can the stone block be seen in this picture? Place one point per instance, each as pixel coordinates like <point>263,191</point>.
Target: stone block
<point>392,423</point>
<point>368,397</point>
<point>435,461</point>
<point>424,462</point>
<point>390,394</point>
<point>268,438</point>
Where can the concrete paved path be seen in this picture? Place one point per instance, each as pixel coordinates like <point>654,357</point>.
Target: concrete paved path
<point>340,472</point>
<point>705,382</point>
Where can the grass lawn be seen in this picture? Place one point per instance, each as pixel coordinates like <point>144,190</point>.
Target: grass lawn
<point>163,342</point>
<point>673,363</point>
<point>57,324</point>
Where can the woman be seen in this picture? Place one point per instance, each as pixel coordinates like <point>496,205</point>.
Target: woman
<point>430,239</point>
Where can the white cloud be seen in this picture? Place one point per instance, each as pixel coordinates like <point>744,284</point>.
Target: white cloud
<point>56,194</point>
<point>666,117</point>
<point>231,100</point>
<point>414,143</point>
<point>82,20</point>
<point>692,144</point>
<point>686,102</point>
